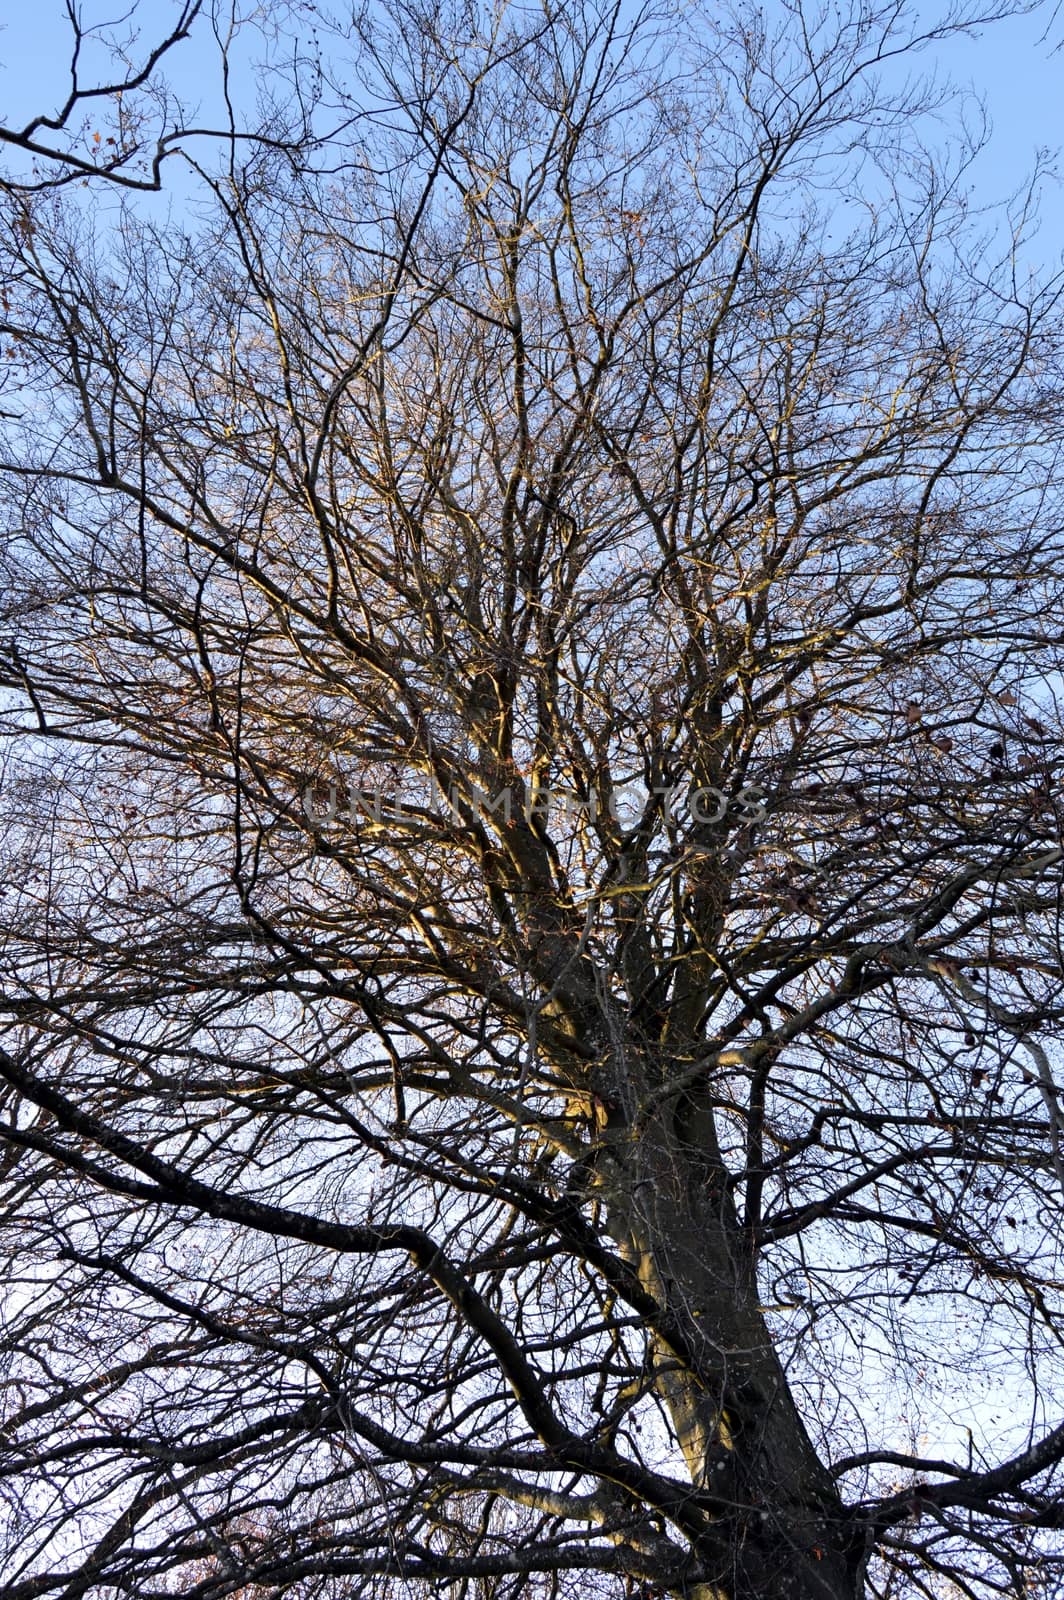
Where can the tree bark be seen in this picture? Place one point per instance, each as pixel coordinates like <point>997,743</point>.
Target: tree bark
<point>775,1524</point>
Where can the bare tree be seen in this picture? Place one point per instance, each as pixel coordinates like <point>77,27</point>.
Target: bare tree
<point>531,937</point>
<point>118,120</point>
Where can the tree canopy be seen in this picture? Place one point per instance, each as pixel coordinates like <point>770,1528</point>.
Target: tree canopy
<point>530,939</point>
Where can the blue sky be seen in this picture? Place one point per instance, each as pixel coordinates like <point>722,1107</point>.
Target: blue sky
<point>1019,75</point>
<point>1012,66</point>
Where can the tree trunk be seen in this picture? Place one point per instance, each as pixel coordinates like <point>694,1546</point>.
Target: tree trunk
<point>775,1527</point>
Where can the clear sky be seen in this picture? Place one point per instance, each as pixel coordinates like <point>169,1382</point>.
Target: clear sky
<point>1019,74</point>
<point>1012,66</point>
